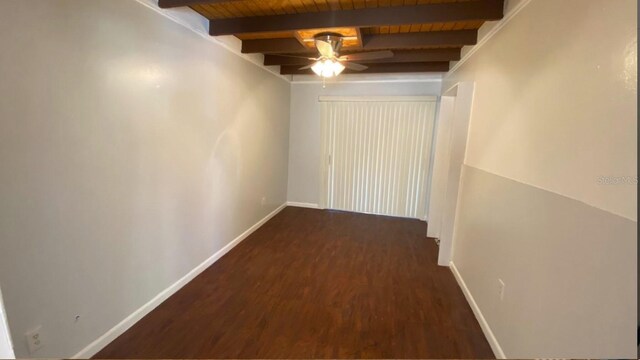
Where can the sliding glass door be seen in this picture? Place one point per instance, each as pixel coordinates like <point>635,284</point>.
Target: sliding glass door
<point>377,154</point>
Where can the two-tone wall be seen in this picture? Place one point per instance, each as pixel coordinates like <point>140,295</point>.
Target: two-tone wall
<point>548,197</point>
<point>132,151</point>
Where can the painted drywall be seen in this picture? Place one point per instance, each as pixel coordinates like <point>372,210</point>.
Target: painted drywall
<point>132,150</point>
<point>569,270</point>
<point>553,136</point>
<point>304,139</point>
<point>554,110</point>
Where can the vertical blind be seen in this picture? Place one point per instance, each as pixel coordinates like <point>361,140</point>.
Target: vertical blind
<point>377,156</point>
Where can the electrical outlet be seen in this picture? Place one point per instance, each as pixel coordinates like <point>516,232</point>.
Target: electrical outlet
<point>501,289</point>
<point>34,339</point>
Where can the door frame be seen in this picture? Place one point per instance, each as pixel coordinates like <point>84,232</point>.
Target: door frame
<point>450,151</point>
<point>6,345</point>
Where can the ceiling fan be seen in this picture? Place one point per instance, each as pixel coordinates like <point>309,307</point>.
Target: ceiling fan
<point>330,63</point>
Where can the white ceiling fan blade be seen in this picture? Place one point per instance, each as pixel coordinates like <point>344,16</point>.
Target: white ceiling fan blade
<point>325,49</point>
<point>368,56</point>
<point>354,66</point>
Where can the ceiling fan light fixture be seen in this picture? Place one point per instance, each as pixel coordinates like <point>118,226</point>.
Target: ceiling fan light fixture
<point>337,67</point>
<point>327,68</point>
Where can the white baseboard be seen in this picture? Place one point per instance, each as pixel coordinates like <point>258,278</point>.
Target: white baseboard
<point>130,320</point>
<point>493,342</point>
<point>304,205</point>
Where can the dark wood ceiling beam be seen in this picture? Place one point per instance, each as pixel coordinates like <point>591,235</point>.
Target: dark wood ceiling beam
<point>167,4</point>
<point>371,42</point>
<point>417,40</point>
<point>400,56</point>
<point>378,68</point>
<point>266,46</point>
<point>482,10</point>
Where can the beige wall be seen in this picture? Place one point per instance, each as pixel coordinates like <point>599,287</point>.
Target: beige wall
<point>132,149</point>
<point>554,110</point>
<point>569,269</point>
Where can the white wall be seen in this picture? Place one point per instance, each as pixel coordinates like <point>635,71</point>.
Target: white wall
<point>132,149</point>
<point>304,139</point>
<point>554,110</point>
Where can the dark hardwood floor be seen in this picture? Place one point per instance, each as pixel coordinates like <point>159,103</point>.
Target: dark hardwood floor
<point>316,284</point>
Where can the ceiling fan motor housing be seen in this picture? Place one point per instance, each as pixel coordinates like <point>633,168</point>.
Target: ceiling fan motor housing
<point>334,39</point>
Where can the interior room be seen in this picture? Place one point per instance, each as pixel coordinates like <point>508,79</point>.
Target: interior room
<point>318,179</point>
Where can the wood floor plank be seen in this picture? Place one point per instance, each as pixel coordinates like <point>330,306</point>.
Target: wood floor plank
<point>316,284</point>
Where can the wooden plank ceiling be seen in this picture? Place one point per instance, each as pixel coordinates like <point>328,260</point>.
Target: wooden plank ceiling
<point>425,35</point>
